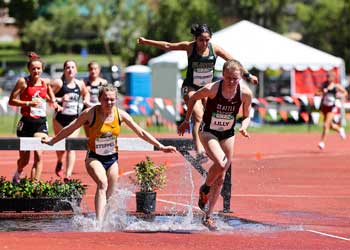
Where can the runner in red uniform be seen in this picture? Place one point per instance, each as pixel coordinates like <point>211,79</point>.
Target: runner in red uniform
<point>31,94</point>
<point>330,92</point>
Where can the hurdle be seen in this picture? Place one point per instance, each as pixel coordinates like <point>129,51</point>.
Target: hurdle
<point>183,145</point>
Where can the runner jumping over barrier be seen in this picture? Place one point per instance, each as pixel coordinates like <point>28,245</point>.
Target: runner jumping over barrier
<point>202,56</point>
<point>217,132</point>
<point>101,162</point>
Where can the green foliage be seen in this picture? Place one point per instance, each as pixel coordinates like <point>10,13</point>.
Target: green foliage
<point>38,36</point>
<point>325,25</point>
<point>25,11</point>
<point>273,14</point>
<point>171,21</point>
<point>49,189</point>
<point>10,45</point>
<point>73,25</point>
<point>149,176</point>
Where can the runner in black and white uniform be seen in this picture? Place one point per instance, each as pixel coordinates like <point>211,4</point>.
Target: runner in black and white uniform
<point>201,63</point>
<point>68,91</point>
<point>68,98</point>
<point>93,83</point>
<point>217,130</point>
<point>330,92</point>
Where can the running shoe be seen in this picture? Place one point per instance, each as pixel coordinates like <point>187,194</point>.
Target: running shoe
<point>321,145</point>
<point>203,203</point>
<point>209,223</point>
<point>59,169</point>
<point>342,133</point>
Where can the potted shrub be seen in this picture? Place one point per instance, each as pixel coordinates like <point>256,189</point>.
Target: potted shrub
<point>149,177</point>
<point>39,196</point>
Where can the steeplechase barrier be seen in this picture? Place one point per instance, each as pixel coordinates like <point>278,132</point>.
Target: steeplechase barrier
<point>183,145</point>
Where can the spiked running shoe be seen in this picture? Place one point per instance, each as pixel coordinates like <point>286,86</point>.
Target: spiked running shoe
<point>59,169</point>
<point>203,203</point>
<point>209,223</point>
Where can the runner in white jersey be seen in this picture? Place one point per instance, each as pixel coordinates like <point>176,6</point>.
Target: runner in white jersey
<point>68,91</point>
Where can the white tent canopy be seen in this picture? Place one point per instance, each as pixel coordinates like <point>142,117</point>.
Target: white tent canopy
<point>257,47</point>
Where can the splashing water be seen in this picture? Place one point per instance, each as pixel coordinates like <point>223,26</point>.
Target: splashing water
<point>189,216</point>
<point>116,215</point>
<point>117,219</point>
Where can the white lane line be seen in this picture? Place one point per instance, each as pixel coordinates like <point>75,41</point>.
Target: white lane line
<point>279,156</point>
<point>128,172</point>
<point>328,235</point>
<point>178,203</point>
<point>277,196</point>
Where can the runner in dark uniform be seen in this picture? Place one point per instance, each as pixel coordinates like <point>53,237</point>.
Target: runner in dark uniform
<point>68,91</point>
<point>31,94</point>
<point>201,62</point>
<point>200,70</point>
<point>93,83</point>
<point>329,91</point>
<point>217,130</point>
<point>69,100</point>
<point>220,114</point>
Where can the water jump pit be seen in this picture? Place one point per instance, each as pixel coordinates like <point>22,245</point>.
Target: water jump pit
<point>131,222</point>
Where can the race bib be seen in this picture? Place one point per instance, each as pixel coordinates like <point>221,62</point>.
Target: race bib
<point>221,122</point>
<point>105,146</point>
<point>202,76</point>
<point>94,96</point>
<point>328,100</point>
<point>38,111</point>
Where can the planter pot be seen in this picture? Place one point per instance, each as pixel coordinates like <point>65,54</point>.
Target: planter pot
<point>38,204</point>
<point>146,202</point>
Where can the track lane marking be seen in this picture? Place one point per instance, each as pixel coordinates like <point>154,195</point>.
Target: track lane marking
<point>328,235</point>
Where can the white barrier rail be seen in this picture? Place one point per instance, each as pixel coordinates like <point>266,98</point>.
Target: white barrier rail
<point>124,144</point>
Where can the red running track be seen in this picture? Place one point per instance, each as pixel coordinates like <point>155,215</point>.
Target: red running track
<point>278,179</point>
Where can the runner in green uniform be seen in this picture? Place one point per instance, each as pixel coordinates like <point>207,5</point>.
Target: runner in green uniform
<point>201,63</point>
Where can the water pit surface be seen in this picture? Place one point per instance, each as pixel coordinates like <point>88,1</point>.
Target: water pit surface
<point>156,223</point>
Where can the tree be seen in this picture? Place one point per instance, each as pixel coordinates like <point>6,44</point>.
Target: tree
<point>325,25</point>
<point>38,36</point>
<point>79,22</point>
<point>171,20</point>
<point>25,11</point>
<point>272,14</point>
